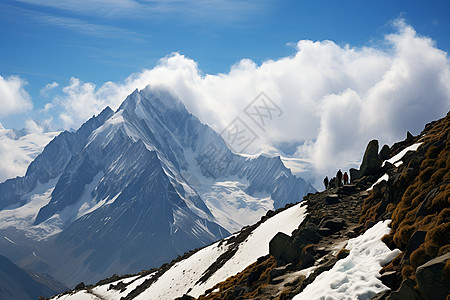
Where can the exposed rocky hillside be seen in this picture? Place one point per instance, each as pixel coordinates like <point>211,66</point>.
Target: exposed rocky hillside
<point>384,236</point>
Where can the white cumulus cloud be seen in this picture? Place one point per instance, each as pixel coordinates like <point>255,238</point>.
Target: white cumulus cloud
<point>334,98</point>
<point>13,97</point>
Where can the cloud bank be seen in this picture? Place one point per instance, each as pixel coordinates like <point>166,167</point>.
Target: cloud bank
<point>13,97</point>
<point>334,98</point>
<point>19,148</point>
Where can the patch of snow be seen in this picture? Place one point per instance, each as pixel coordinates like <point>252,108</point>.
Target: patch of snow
<point>88,204</point>
<point>183,276</point>
<point>81,295</point>
<point>232,207</point>
<point>105,292</point>
<point>226,198</point>
<point>9,240</point>
<point>396,160</point>
<point>296,165</point>
<point>357,275</point>
<point>22,216</point>
<point>256,245</point>
<point>385,177</point>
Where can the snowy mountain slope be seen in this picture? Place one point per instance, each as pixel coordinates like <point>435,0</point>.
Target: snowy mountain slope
<point>118,188</point>
<point>185,275</point>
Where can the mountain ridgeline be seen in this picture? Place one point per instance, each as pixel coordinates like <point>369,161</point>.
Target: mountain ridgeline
<point>130,190</point>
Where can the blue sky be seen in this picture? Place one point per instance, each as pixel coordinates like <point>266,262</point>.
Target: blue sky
<point>343,72</point>
<point>45,41</point>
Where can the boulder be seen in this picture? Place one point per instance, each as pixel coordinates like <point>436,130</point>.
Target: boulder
<point>334,224</point>
<point>371,164</point>
<point>332,199</point>
<point>283,250</point>
<point>385,152</point>
<point>307,260</point>
<point>347,189</point>
<point>324,231</point>
<point>389,278</point>
<point>306,236</point>
<point>354,174</point>
<point>415,241</point>
<point>406,291</point>
<point>351,234</point>
<point>409,136</point>
<point>80,286</point>
<point>423,208</point>
<point>387,166</point>
<point>432,281</point>
<point>408,157</point>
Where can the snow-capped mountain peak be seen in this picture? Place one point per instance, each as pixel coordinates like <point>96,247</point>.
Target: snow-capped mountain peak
<point>140,182</point>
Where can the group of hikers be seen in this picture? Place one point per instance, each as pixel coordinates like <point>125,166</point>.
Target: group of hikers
<point>336,181</point>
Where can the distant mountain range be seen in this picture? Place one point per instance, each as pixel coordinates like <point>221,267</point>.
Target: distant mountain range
<point>132,189</point>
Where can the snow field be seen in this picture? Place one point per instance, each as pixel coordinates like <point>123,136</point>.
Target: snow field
<point>183,276</point>
<point>357,275</point>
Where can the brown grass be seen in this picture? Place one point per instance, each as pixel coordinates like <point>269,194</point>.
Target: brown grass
<point>428,170</point>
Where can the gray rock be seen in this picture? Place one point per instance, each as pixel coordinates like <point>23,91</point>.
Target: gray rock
<point>409,136</point>
<point>354,174</point>
<point>423,208</point>
<point>334,224</point>
<point>405,292</point>
<point>371,164</point>
<point>282,249</point>
<point>385,152</point>
<point>325,231</point>
<point>351,234</point>
<point>332,199</point>
<point>381,295</point>
<point>389,278</point>
<point>431,280</point>
<point>415,241</point>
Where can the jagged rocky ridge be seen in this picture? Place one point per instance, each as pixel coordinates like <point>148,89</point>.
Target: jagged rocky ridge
<point>115,196</point>
<point>414,194</point>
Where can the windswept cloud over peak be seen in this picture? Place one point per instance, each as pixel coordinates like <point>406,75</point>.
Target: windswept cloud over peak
<point>334,98</point>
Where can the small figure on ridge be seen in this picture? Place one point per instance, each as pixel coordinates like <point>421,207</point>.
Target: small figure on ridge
<point>339,178</point>
<point>325,182</point>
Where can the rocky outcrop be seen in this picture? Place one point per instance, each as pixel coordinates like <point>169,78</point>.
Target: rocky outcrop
<point>371,164</point>
<point>282,248</point>
<point>433,278</point>
<point>415,197</point>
